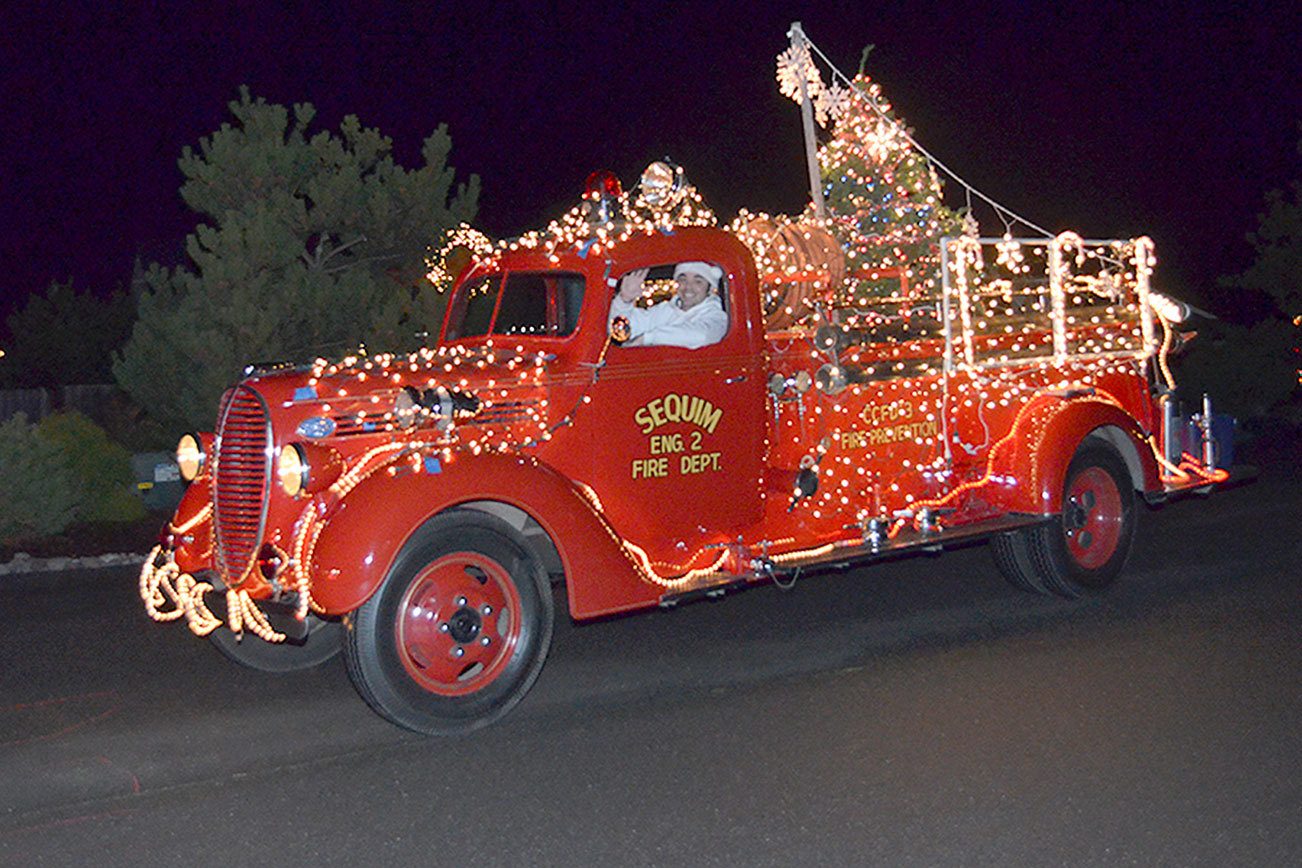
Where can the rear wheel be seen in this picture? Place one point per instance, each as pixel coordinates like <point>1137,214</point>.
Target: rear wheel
<point>1083,550</point>
<point>458,631</point>
<point>1012,555</point>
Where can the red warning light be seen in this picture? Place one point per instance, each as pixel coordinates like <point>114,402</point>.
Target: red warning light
<point>603,184</point>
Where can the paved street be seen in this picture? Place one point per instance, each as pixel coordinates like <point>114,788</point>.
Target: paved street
<point>916,712</point>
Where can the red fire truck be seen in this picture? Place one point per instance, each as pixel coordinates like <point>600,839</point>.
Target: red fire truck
<point>416,509</point>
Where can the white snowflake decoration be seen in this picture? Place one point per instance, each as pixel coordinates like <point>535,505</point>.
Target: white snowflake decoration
<point>883,141</point>
<point>831,104</point>
<point>1010,254</point>
<point>796,64</point>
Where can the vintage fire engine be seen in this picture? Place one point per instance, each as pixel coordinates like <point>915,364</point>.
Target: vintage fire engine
<point>415,510</point>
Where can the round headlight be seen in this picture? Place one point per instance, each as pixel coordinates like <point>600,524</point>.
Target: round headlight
<point>292,469</point>
<point>190,457</point>
<point>662,184</point>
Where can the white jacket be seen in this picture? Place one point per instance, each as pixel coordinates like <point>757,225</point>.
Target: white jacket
<point>668,325</point>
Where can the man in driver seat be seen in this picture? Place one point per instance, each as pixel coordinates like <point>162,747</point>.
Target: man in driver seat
<point>693,318</point>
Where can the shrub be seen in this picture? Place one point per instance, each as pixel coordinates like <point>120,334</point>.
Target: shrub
<point>103,466</point>
<point>41,493</point>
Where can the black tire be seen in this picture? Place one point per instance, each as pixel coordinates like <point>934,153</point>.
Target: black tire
<point>324,641</point>
<point>1083,550</point>
<point>458,631</point>
<point>1012,555</point>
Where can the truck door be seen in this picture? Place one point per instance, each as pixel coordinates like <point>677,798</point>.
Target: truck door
<point>678,436</point>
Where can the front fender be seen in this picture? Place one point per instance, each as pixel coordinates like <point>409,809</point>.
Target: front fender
<point>1046,438</point>
<point>189,533</point>
<point>363,533</point>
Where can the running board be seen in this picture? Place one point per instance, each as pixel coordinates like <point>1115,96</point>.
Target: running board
<point>857,551</point>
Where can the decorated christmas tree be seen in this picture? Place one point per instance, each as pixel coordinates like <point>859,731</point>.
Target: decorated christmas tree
<point>882,195</point>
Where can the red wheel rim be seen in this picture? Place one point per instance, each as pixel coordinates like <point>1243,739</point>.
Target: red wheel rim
<point>1092,518</point>
<point>458,624</point>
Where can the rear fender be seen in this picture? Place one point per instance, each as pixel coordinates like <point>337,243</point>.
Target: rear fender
<point>364,531</point>
<point>1048,434</point>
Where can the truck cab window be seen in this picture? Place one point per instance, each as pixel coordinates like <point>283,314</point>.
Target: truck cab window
<point>679,304</point>
<point>544,304</point>
<point>472,308</point>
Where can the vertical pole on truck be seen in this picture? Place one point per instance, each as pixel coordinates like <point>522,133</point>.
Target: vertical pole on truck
<point>1209,440</point>
<point>947,369</point>
<point>798,40</point>
<point>946,316</point>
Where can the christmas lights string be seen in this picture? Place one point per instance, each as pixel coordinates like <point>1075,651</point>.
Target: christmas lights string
<point>596,225</point>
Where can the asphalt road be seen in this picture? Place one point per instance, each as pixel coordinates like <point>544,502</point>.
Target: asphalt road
<point>918,712</point>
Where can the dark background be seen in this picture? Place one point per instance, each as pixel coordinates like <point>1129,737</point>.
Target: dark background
<point>1112,119</point>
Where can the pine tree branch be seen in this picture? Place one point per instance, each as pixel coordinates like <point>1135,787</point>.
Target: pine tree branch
<point>316,261</point>
<point>386,257</point>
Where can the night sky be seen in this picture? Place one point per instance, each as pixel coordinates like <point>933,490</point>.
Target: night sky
<point>1112,119</point>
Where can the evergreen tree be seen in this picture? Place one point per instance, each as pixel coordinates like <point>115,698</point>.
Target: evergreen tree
<point>1277,268</point>
<point>311,243</point>
<point>1255,371</point>
<point>882,195</point>
<point>65,336</point>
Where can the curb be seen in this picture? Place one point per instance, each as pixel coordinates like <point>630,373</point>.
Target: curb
<point>25,563</point>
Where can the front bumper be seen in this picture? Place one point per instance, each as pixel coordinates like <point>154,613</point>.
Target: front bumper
<point>171,594</point>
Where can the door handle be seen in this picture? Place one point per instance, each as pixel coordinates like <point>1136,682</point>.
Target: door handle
<point>737,379</point>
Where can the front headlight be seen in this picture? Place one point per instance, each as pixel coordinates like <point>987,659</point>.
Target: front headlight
<point>292,469</point>
<point>190,456</point>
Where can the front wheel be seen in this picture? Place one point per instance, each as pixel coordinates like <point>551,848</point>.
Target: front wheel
<point>458,631</point>
<point>322,643</point>
<point>1083,550</point>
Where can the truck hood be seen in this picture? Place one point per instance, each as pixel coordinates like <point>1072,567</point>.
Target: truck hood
<point>431,390</point>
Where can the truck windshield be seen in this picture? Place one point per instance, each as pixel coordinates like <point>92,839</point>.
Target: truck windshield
<point>545,304</point>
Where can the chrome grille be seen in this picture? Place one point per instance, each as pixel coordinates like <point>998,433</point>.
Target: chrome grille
<point>242,481</point>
